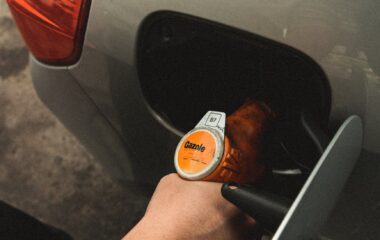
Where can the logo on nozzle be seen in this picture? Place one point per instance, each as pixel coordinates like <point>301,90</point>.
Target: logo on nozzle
<point>194,146</point>
<point>205,153</point>
<point>201,149</point>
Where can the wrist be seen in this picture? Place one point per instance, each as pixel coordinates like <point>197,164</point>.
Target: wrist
<point>156,229</point>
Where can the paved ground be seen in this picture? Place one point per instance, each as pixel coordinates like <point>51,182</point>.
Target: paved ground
<point>43,169</point>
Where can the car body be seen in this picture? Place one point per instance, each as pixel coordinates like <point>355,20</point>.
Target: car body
<point>105,101</point>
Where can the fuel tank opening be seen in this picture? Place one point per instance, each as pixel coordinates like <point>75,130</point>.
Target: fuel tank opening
<point>188,66</point>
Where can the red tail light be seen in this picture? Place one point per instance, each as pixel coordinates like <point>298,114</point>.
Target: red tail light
<point>52,29</point>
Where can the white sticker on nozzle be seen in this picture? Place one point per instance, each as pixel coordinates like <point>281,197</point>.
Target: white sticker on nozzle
<point>214,120</point>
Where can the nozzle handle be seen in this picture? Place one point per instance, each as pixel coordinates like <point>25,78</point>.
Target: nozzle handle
<point>266,208</point>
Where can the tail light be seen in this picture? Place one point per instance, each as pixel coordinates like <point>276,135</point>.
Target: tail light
<point>52,29</point>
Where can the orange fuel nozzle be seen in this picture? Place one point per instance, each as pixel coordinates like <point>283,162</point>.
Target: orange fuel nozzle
<point>222,150</point>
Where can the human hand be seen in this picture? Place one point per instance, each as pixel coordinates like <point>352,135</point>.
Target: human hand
<point>189,210</point>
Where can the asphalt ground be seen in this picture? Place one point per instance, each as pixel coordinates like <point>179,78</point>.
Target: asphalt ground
<point>44,170</point>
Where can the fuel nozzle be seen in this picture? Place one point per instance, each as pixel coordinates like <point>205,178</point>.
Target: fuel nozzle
<point>224,149</point>
<point>230,149</point>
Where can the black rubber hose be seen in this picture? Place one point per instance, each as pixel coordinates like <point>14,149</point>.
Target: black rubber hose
<point>266,208</point>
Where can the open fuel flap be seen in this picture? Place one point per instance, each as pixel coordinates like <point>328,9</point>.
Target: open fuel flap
<point>303,217</point>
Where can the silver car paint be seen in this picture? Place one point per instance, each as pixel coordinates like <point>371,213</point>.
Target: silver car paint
<point>65,98</point>
<point>353,93</point>
<point>109,51</point>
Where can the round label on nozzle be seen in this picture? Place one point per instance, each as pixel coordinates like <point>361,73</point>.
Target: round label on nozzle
<point>198,153</point>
